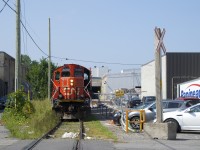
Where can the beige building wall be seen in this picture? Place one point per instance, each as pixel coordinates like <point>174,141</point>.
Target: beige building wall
<point>148,79</point>
<point>7,74</point>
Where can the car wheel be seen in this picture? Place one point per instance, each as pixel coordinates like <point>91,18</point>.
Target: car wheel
<point>116,119</point>
<point>118,122</point>
<point>135,122</point>
<point>178,128</point>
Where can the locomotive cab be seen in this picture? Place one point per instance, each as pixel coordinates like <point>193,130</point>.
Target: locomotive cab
<point>71,90</point>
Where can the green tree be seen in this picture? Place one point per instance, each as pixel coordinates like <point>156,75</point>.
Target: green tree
<point>25,60</point>
<point>38,78</point>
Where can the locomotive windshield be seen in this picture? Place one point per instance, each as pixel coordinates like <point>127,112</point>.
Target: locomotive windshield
<point>65,72</point>
<point>78,72</point>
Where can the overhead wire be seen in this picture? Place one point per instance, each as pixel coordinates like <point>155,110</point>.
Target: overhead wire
<point>33,39</point>
<point>102,62</point>
<point>111,63</point>
<point>26,30</point>
<point>6,3</point>
<point>4,6</point>
<point>24,35</point>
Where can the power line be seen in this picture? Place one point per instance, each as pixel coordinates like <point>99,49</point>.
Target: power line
<point>101,62</point>
<point>111,63</point>
<point>26,30</point>
<point>33,39</point>
<point>24,35</point>
<point>4,6</point>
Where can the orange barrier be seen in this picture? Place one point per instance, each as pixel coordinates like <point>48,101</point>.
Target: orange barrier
<point>142,118</point>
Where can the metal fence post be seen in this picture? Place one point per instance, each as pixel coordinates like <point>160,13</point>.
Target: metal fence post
<point>126,121</point>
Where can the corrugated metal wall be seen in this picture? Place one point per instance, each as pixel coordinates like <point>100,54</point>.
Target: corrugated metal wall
<point>181,67</point>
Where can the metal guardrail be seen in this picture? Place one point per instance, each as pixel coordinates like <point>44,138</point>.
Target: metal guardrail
<point>104,110</point>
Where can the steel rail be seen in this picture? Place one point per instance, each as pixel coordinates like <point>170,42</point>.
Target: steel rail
<point>77,143</point>
<point>34,143</point>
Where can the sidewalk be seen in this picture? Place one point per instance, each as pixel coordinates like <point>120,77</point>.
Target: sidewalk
<point>5,140</point>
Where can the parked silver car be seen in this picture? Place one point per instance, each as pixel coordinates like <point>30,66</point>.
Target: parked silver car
<point>150,111</point>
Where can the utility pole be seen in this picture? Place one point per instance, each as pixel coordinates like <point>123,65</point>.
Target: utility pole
<point>18,48</point>
<point>49,66</point>
<point>158,72</point>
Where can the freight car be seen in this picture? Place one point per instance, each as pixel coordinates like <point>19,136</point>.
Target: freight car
<point>71,90</point>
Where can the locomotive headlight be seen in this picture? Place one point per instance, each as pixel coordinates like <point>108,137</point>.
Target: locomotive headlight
<point>71,82</point>
<point>65,88</point>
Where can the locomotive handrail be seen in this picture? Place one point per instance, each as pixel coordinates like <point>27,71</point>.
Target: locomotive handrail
<point>54,91</point>
<point>87,89</point>
<point>88,84</point>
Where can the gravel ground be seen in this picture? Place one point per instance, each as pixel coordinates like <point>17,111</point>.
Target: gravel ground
<point>122,136</point>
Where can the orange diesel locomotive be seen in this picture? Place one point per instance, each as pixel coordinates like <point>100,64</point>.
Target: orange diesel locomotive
<point>71,90</point>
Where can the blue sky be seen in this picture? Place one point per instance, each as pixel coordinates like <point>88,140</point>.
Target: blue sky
<point>112,31</point>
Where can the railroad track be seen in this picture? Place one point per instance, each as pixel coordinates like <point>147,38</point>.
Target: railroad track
<point>81,136</point>
<point>77,142</point>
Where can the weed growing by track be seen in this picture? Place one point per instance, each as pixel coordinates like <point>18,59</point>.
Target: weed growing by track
<point>31,120</point>
<point>96,130</point>
<point>93,129</point>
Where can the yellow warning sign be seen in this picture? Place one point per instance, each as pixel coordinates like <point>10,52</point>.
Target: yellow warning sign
<point>119,93</point>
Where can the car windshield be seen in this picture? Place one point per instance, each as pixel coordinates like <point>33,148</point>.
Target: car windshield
<point>143,105</point>
<point>188,103</point>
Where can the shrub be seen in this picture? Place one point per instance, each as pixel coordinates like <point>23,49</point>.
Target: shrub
<point>28,119</point>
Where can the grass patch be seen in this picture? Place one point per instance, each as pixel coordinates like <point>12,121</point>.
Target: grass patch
<point>32,126</point>
<point>31,120</point>
<point>95,129</point>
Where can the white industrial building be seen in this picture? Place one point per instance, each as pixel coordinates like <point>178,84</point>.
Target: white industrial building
<point>177,67</point>
<point>126,80</point>
<point>105,83</point>
<point>148,79</point>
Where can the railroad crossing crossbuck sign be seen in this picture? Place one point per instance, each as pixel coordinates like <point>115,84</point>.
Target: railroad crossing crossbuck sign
<point>160,36</point>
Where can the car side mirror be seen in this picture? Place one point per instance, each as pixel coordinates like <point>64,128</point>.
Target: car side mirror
<point>188,110</point>
<point>151,109</point>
